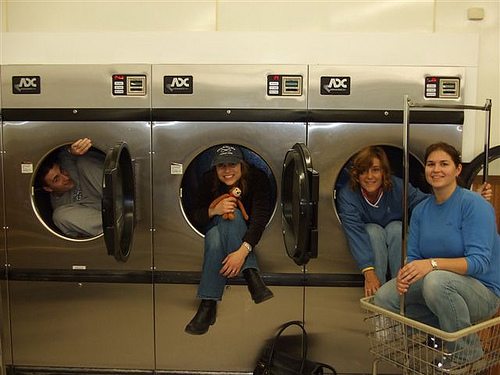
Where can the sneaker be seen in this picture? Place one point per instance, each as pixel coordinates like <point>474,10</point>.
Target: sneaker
<point>447,365</point>
<point>434,342</point>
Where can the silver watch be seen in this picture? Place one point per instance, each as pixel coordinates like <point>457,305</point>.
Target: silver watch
<point>434,264</point>
<point>248,246</point>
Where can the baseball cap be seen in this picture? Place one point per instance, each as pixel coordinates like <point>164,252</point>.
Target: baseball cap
<point>227,154</point>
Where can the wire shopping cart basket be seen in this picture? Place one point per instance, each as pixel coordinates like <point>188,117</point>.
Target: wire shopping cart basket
<point>418,348</point>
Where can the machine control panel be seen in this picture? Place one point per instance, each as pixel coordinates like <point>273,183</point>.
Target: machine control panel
<point>442,87</point>
<point>284,85</point>
<point>129,85</point>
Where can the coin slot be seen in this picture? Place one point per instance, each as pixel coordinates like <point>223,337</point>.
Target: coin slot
<point>449,88</point>
<point>136,85</point>
<point>292,86</point>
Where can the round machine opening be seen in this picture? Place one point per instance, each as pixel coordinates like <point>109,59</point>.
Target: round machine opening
<point>194,175</point>
<point>395,157</point>
<point>55,192</point>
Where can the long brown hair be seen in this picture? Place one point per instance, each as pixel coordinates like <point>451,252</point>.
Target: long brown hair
<point>363,161</point>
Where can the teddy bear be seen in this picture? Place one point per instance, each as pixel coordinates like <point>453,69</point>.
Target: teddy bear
<point>236,193</point>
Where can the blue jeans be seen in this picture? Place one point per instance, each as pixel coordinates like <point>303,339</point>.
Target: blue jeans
<point>222,238</point>
<point>386,245</point>
<point>447,301</point>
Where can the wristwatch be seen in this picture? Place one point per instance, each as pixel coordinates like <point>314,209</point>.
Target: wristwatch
<point>434,264</point>
<point>248,246</point>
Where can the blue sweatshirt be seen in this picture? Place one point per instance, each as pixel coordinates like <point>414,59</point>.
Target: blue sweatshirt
<point>355,213</point>
<point>462,226</point>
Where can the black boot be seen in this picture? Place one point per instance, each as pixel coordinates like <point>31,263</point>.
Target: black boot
<point>204,318</point>
<point>259,291</point>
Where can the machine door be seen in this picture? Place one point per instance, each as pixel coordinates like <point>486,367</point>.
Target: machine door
<point>473,172</point>
<point>473,176</point>
<point>299,202</point>
<point>118,202</point>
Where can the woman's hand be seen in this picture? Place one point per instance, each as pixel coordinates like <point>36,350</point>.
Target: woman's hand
<point>401,285</point>
<point>486,191</point>
<point>225,206</point>
<point>372,283</point>
<point>233,262</point>
<point>411,273</point>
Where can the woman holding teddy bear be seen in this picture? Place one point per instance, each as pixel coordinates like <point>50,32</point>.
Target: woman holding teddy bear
<point>233,226</point>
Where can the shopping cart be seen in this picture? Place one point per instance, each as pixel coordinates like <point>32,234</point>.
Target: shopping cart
<point>417,348</point>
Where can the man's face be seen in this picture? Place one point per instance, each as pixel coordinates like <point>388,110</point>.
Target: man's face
<point>58,180</point>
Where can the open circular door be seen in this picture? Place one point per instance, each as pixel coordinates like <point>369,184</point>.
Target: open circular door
<point>473,176</point>
<point>473,171</point>
<point>299,202</point>
<point>118,202</point>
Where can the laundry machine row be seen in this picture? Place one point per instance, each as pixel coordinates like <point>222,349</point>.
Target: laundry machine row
<point>120,300</point>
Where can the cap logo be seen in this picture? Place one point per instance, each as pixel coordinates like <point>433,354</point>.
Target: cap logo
<point>226,150</point>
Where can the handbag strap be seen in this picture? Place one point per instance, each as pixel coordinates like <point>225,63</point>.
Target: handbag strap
<point>325,366</point>
<point>304,341</point>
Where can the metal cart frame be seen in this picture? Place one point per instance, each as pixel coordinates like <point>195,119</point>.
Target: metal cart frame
<point>417,348</point>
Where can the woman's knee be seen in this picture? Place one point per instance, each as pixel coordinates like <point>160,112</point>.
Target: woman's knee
<point>375,231</point>
<point>387,296</point>
<point>237,223</point>
<point>434,285</point>
<point>238,218</point>
<point>394,229</point>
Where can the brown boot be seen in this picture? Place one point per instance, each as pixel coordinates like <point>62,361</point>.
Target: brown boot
<point>204,318</point>
<point>259,291</point>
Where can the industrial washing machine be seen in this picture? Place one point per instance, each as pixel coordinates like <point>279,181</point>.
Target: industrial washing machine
<point>4,327</point>
<point>196,108</point>
<point>84,302</point>
<point>350,108</point>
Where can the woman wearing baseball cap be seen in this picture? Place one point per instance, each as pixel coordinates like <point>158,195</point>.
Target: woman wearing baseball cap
<point>229,244</point>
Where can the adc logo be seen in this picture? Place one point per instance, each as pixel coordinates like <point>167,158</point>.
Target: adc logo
<point>26,85</point>
<point>335,85</point>
<point>178,84</point>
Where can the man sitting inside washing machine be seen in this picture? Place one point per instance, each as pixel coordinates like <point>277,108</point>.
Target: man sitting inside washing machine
<point>73,177</point>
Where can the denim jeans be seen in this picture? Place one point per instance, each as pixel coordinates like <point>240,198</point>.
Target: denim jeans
<point>386,245</point>
<point>222,238</point>
<point>447,301</point>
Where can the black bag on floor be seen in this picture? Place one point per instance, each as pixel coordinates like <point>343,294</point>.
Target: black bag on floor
<point>274,361</point>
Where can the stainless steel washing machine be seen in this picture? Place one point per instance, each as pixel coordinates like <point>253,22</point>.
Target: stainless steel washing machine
<point>5,326</point>
<point>195,108</point>
<point>350,108</point>
<point>82,302</point>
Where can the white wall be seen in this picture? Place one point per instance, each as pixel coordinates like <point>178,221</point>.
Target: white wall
<point>218,15</point>
<point>450,18</point>
<point>101,31</point>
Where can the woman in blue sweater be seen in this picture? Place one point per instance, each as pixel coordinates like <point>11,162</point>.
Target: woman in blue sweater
<point>451,278</point>
<point>371,211</point>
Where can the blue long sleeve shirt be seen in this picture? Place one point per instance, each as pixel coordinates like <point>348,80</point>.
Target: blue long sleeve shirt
<point>355,213</point>
<point>462,226</point>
